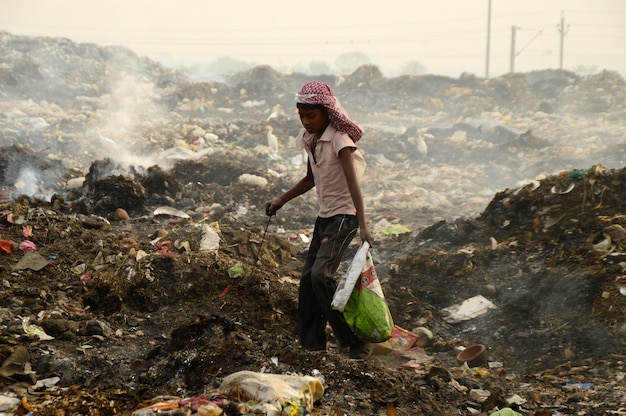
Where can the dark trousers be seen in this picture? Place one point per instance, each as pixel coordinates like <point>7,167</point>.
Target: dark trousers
<point>331,237</point>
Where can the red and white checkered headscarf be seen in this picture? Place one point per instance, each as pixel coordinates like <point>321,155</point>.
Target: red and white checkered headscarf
<point>321,94</point>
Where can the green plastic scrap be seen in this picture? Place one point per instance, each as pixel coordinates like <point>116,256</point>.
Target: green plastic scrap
<point>577,174</point>
<point>182,244</point>
<point>236,271</point>
<point>395,229</point>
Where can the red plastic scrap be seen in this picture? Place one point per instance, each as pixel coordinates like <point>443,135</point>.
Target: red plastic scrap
<point>194,403</point>
<point>167,407</point>
<point>164,248</point>
<point>225,291</point>
<point>28,245</point>
<point>72,309</point>
<point>6,246</point>
<point>27,231</point>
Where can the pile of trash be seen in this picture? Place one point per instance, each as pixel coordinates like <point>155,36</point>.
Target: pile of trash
<point>141,276</point>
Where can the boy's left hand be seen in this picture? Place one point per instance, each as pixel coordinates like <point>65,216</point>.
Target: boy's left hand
<point>365,235</point>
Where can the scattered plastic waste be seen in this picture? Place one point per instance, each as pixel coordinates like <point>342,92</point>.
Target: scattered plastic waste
<point>27,230</point>
<point>570,385</point>
<point>171,212</point>
<point>35,330</point>
<point>27,246</point>
<point>225,291</point>
<point>178,244</point>
<point>468,309</point>
<point>253,180</point>
<point>479,395</point>
<point>277,390</point>
<point>402,339</point>
<point>576,174</point>
<point>241,210</point>
<point>74,183</point>
<point>395,229</point>
<point>210,237</point>
<point>162,408</point>
<point>8,404</point>
<point>569,189</point>
<point>17,220</point>
<point>165,249</point>
<point>79,268</point>
<point>182,153</point>
<point>507,411</point>
<point>6,246</point>
<point>236,271</point>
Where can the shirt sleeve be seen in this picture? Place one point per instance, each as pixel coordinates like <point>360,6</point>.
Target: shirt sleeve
<point>340,141</point>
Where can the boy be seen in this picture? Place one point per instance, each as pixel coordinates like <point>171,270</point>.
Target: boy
<point>330,141</point>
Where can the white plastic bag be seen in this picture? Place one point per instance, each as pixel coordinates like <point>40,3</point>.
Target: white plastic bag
<point>279,390</point>
<point>349,280</point>
<point>366,312</point>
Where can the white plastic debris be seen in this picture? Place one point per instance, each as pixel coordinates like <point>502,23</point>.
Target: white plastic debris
<point>253,180</point>
<point>278,390</point>
<point>46,383</point>
<point>479,395</point>
<point>8,403</point>
<point>468,309</point>
<point>35,329</point>
<point>210,241</point>
<point>75,183</point>
<point>170,211</point>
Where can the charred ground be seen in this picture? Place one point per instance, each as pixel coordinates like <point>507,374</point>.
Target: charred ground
<point>137,311</point>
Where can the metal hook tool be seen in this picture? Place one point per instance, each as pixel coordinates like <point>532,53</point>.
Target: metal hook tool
<point>256,258</point>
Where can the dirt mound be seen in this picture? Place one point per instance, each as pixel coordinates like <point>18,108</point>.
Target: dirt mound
<point>157,316</point>
<point>115,295</point>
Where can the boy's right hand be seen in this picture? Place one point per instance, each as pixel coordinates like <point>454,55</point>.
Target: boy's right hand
<point>272,206</point>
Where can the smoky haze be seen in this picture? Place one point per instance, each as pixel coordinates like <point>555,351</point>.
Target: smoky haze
<point>449,37</point>
<point>442,144</point>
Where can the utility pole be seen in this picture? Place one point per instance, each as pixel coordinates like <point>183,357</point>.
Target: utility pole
<point>562,31</point>
<point>513,30</point>
<point>514,52</point>
<point>488,39</point>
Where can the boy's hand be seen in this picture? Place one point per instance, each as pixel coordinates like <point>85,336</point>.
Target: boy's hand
<point>272,206</point>
<point>365,235</point>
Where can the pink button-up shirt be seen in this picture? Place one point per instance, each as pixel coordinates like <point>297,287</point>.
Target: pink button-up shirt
<point>333,195</point>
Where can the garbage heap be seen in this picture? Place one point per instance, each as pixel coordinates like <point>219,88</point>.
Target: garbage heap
<point>140,273</point>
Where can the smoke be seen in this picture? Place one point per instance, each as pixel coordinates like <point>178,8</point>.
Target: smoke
<point>127,114</point>
<point>28,181</point>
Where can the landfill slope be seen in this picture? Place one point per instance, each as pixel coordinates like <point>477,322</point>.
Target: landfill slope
<point>121,172</point>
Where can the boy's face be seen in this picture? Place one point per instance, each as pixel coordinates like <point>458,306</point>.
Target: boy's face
<point>314,120</point>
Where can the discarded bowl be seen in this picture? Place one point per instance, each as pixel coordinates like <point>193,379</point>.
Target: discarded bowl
<point>475,355</point>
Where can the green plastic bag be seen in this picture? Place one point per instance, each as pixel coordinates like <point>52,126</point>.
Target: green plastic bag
<point>367,313</point>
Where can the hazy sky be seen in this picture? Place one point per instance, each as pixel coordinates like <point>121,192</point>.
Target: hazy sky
<point>447,36</point>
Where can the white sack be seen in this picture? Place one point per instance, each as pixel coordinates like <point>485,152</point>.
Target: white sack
<point>348,281</point>
<point>275,389</point>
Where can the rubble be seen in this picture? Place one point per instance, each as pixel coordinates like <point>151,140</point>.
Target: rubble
<point>137,274</point>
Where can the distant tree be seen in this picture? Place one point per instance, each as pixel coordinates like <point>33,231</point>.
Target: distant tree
<point>413,68</point>
<point>349,61</point>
